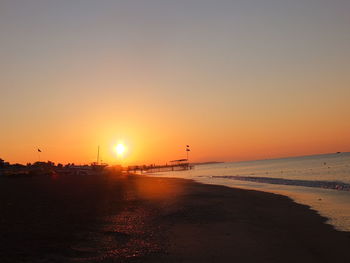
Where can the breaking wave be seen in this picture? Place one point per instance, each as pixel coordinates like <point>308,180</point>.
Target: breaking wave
<point>307,183</point>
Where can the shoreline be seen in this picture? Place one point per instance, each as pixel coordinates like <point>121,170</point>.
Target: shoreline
<point>118,218</point>
<point>326,202</point>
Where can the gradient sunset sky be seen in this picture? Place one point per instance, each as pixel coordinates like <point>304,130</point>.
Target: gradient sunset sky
<point>236,80</point>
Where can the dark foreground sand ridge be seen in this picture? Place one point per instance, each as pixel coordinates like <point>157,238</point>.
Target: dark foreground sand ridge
<point>142,219</point>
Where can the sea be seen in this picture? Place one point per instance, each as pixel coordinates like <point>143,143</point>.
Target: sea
<point>321,182</point>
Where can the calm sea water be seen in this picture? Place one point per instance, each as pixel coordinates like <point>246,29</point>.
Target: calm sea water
<point>319,181</point>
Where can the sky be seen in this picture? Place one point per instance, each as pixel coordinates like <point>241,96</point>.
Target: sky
<point>235,80</point>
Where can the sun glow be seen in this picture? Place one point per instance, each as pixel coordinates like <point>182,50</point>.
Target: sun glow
<point>120,149</point>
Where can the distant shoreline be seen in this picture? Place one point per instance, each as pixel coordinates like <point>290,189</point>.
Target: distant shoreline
<point>204,163</point>
<point>288,157</point>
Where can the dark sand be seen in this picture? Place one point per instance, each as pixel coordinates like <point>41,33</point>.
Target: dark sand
<point>144,219</point>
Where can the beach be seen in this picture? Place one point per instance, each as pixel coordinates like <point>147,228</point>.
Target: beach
<point>130,218</point>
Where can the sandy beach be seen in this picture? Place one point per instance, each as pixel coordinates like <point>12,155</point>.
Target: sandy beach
<point>118,218</point>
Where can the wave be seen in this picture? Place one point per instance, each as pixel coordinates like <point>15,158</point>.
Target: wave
<point>307,183</point>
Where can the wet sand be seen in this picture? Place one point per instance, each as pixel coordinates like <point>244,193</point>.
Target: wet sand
<point>143,219</point>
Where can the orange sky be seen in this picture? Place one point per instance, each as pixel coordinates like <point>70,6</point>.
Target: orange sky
<point>232,80</point>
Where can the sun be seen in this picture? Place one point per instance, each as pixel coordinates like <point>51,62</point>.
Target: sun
<point>119,149</point>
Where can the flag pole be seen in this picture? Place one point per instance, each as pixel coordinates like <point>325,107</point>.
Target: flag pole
<point>39,151</point>
<point>98,154</point>
<point>187,150</point>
